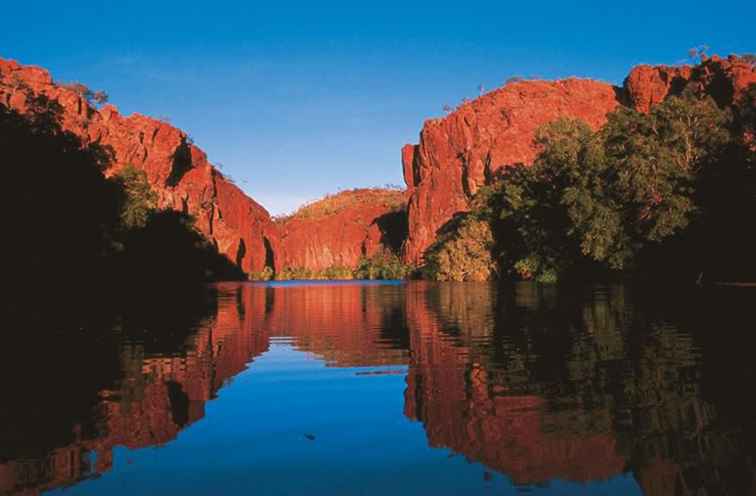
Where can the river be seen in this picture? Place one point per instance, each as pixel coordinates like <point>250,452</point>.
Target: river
<point>348,388</point>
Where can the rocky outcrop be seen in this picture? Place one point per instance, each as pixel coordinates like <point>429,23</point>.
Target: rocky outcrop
<point>335,231</point>
<point>724,79</point>
<point>340,229</point>
<point>456,155</point>
<point>178,171</point>
<point>462,151</point>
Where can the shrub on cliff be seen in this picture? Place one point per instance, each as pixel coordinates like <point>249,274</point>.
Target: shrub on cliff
<point>98,97</point>
<point>163,245</point>
<point>61,209</point>
<point>138,199</point>
<point>645,189</point>
<point>605,197</point>
<point>73,224</point>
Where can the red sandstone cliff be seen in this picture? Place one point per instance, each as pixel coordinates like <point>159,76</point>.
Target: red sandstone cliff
<point>461,152</point>
<point>456,155</point>
<point>724,79</point>
<point>178,171</point>
<point>339,230</point>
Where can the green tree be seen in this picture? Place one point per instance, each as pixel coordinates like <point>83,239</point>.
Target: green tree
<point>139,200</point>
<point>596,199</point>
<point>464,254</point>
<point>382,265</point>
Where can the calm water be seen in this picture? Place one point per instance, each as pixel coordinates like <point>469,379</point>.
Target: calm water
<point>417,388</point>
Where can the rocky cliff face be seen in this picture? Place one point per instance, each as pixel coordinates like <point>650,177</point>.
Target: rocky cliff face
<point>336,231</point>
<point>456,155</point>
<point>724,79</point>
<point>178,171</point>
<point>339,230</point>
<point>462,151</point>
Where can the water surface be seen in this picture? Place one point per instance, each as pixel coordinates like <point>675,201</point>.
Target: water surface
<point>400,388</point>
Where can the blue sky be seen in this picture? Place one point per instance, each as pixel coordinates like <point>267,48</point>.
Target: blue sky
<point>296,100</point>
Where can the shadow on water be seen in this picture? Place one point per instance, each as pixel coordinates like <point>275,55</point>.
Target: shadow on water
<point>578,384</point>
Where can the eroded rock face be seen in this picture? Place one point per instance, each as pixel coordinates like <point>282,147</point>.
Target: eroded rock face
<point>724,79</point>
<point>461,152</point>
<point>339,230</point>
<point>178,171</point>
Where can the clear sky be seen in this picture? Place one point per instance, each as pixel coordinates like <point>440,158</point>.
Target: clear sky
<point>296,100</point>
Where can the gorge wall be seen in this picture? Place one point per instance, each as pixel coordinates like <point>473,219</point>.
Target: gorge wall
<point>178,171</point>
<point>456,155</point>
<point>461,152</point>
<point>339,230</point>
<point>364,222</point>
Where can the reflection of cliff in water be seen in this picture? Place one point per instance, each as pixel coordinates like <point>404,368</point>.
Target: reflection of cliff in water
<point>538,384</point>
<point>344,324</point>
<point>541,386</point>
<point>90,390</point>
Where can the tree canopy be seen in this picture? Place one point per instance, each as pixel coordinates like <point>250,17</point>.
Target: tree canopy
<point>642,184</point>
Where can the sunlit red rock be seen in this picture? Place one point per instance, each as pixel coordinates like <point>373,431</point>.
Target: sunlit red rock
<point>724,79</point>
<point>178,171</point>
<point>459,153</point>
<point>339,230</point>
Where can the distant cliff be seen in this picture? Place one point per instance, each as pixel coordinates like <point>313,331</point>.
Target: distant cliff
<point>339,230</point>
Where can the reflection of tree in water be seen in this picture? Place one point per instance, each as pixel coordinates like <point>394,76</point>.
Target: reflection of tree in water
<point>536,383</point>
<point>575,386</point>
<point>137,378</point>
<point>73,390</point>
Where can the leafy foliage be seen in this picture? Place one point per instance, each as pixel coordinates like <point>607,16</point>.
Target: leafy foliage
<point>335,272</point>
<point>139,199</point>
<point>73,224</point>
<point>463,254</point>
<point>605,199</point>
<point>384,265</point>
<point>98,97</point>
<point>264,275</point>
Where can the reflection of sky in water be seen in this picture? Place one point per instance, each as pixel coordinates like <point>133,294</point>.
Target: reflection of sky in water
<point>253,440</point>
<point>411,388</point>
